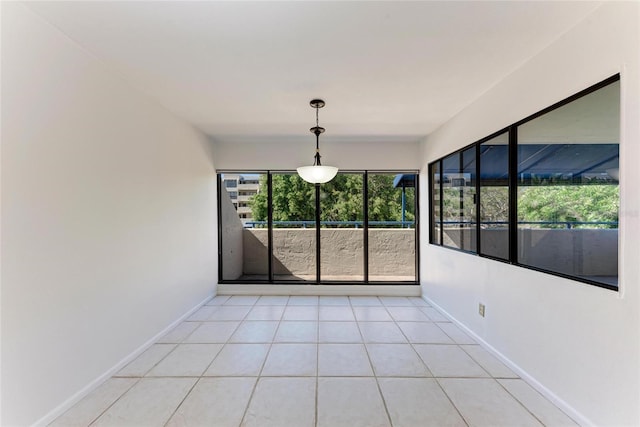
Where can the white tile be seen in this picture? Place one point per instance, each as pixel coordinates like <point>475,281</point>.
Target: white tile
<point>179,333</point>
<point>407,314</point>
<point>297,331</point>
<point>212,332</point>
<point>219,402</point>
<point>434,314</point>
<point>336,313</point>
<point>334,300</point>
<point>148,403</point>
<point>303,300</point>
<point>537,404</point>
<point>273,300</point>
<point>419,302</point>
<point>242,300</point>
<point>366,301</point>
<point>230,313</point>
<point>266,312</point>
<point>485,402</point>
<point>291,360</point>
<point>339,332</point>
<point>449,361</point>
<point>254,332</point>
<point>88,409</point>
<point>489,362</point>
<point>456,334</point>
<point>282,402</point>
<point>396,360</point>
<point>414,402</point>
<point>371,314</point>
<point>350,402</point>
<point>343,360</point>
<point>424,332</point>
<point>236,360</point>
<point>381,332</point>
<point>293,312</point>
<point>186,360</point>
<point>396,301</point>
<point>203,313</point>
<point>218,300</point>
<point>147,360</point>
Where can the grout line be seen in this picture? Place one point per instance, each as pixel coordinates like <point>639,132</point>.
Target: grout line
<point>110,406</point>
<point>183,399</point>
<point>437,380</point>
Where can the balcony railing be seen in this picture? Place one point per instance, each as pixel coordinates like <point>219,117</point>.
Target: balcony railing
<point>311,224</point>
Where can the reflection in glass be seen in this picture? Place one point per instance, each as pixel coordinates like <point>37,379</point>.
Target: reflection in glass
<point>436,221</point>
<point>494,197</point>
<point>459,200</point>
<point>568,198</point>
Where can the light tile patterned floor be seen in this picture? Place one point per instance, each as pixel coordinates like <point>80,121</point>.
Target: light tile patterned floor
<point>315,361</point>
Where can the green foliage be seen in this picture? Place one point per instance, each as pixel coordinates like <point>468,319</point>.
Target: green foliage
<point>558,203</point>
<point>341,199</point>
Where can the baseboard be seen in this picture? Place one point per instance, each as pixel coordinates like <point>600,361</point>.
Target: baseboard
<point>67,404</point>
<point>325,290</point>
<point>551,396</point>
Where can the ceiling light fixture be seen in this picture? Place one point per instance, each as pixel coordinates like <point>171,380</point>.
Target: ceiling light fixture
<point>317,174</point>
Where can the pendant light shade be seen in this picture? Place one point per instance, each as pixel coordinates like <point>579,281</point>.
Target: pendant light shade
<point>317,174</point>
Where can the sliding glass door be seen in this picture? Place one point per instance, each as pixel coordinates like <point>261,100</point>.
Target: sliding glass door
<point>358,228</point>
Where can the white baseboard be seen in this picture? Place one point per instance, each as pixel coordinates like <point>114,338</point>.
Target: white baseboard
<point>551,396</point>
<point>75,398</point>
<point>325,290</point>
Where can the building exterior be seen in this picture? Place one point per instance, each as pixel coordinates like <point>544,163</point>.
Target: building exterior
<point>241,189</point>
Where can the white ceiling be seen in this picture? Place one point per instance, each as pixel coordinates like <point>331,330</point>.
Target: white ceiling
<point>245,71</point>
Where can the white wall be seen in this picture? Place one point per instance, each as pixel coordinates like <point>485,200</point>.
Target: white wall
<point>108,218</point>
<point>579,341</point>
<point>289,154</point>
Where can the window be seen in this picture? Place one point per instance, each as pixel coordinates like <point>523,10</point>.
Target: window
<point>568,197</point>
<point>436,204</point>
<point>233,194</point>
<point>358,228</point>
<point>231,183</point>
<point>391,227</point>
<point>459,200</point>
<point>494,197</point>
<point>546,196</point>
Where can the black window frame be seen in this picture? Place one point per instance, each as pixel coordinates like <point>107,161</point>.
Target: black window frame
<point>512,132</point>
<point>318,280</point>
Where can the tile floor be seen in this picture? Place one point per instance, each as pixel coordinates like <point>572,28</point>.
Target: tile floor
<point>315,361</point>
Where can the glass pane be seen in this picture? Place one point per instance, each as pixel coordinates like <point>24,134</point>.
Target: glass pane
<point>459,200</point>
<point>468,201</point>
<point>451,201</point>
<point>436,220</point>
<point>294,235</point>
<point>392,235</point>
<point>243,201</point>
<point>341,234</point>
<point>494,197</point>
<point>568,197</point>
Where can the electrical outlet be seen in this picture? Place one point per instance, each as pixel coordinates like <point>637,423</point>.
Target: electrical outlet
<point>481,309</point>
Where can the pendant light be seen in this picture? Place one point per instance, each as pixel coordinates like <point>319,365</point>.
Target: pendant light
<point>317,174</point>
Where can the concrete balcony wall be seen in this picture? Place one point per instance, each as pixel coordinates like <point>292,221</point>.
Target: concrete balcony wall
<point>578,252</point>
<point>232,245</point>
<point>391,251</point>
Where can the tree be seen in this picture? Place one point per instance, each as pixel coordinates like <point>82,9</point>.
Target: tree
<point>569,203</point>
<point>341,199</point>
